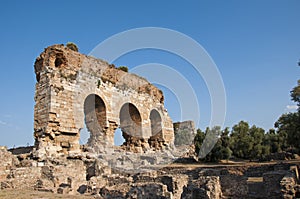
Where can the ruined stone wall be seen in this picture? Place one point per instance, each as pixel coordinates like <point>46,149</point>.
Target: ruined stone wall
<point>68,80</point>
<point>188,126</point>
<point>87,175</point>
<point>7,162</point>
<point>184,133</point>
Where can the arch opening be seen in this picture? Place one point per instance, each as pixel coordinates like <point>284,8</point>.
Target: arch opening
<point>130,121</point>
<point>156,138</point>
<point>118,137</point>
<point>95,117</point>
<point>84,135</point>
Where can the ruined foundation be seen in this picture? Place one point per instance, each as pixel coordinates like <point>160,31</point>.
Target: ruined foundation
<point>87,175</point>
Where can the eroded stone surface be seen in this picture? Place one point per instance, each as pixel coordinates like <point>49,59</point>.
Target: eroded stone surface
<point>73,89</point>
<point>84,174</point>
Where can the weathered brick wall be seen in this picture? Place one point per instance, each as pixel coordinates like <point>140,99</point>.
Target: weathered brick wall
<point>23,178</point>
<point>7,162</point>
<point>64,81</point>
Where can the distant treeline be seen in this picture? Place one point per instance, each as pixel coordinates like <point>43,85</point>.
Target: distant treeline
<point>255,143</point>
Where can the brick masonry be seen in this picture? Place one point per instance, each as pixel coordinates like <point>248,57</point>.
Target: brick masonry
<point>73,88</point>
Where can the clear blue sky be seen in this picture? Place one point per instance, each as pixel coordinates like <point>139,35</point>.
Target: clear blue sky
<point>255,44</point>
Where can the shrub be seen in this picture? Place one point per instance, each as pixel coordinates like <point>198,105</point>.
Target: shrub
<point>123,68</point>
<point>72,46</point>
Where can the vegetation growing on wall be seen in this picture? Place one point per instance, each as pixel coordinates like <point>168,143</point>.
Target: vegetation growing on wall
<point>123,68</point>
<point>72,46</point>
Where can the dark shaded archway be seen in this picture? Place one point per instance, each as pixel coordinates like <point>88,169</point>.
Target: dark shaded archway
<point>156,129</point>
<point>130,121</point>
<point>95,115</point>
<point>156,126</point>
<point>60,60</point>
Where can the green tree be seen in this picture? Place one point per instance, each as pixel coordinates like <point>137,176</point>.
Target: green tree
<point>198,140</point>
<point>241,141</point>
<point>259,150</point>
<point>295,94</point>
<point>225,137</point>
<point>274,141</point>
<point>288,127</point>
<point>220,150</point>
<point>249,143</point>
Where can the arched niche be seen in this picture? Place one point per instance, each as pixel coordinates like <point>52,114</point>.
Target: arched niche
<point>156,129</point>
<point>130,121</point>
<point>95,114</point>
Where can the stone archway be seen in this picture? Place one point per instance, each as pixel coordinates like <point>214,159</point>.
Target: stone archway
<point>131,126</point>
<point>156,138</point>
<point>65,80</point>
<point>130,121</point>
<point>95,118</point>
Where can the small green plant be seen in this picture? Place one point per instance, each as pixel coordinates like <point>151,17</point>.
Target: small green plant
<point>72,46</point>
<point>123,68</point>
<point>98,83</point>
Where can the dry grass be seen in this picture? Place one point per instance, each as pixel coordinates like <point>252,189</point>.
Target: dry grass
<point>30,194</point>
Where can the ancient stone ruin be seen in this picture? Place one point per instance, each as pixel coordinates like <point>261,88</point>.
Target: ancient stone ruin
<point>73,89</point>
<point>86,175</point>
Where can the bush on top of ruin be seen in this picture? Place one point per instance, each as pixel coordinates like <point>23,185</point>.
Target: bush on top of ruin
<point>123,68</point>
<point>72,46</point>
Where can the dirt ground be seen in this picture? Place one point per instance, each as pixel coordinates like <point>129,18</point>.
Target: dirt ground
<point>30,194</point>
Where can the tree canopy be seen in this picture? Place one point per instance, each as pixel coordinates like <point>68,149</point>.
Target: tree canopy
<point>253,142</point>
<point>295,94</point>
